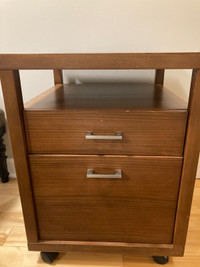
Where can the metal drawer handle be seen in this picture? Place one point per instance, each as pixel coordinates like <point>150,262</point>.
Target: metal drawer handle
<point>117,136</point>
<point>91,174</point>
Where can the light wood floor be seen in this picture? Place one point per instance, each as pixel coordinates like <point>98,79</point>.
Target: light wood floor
<point>14,253</point>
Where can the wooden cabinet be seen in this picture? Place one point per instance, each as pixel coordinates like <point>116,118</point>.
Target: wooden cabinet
<point>105,167</point>
<point>136,129</point>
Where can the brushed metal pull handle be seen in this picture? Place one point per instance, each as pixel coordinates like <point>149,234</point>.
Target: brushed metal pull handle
<point>117,136</point>
<point>116,175</point>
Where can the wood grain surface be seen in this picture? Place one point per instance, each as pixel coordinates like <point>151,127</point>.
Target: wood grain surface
<point>108,96</point>
<point>140,207</point>
<point>101,61</point>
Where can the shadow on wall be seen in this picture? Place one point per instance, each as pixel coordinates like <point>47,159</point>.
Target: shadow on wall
<point>177,81</point>
<point>109,76</point>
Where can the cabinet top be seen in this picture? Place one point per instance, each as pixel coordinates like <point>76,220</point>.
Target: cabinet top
<point>101,61</point>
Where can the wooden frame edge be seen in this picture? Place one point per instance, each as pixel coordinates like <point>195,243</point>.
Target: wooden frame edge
<point>190,162</point>
<point>136,249</point>
<point>58,76</point>
<point>100,61</point>
<point>159,77</point>
<point>11,88</point>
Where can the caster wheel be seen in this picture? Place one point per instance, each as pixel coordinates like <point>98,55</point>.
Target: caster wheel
<point>48,257</point>
<point>161,259</point>
<point>4,179</point>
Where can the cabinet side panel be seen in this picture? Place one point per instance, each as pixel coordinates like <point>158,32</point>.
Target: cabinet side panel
<point>14,108</point>
<point>190,161</point>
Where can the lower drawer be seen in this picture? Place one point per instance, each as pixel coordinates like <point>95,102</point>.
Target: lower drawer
<point>138,207</point>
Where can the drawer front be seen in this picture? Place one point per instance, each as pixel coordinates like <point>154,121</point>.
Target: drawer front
<point>138,207</point>
<point>143,132</point>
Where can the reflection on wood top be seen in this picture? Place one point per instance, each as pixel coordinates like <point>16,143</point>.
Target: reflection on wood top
<point>106,96</point>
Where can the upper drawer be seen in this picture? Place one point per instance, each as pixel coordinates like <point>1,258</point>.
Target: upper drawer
<point>150,119</point>
<point>143,133</point>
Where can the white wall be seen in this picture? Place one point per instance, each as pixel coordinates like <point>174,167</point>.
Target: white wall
<point>50,26</point>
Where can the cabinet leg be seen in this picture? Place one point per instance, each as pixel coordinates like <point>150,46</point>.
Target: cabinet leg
<point>3,165</point>
<point>161,259</point>
<point>48,257</point>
